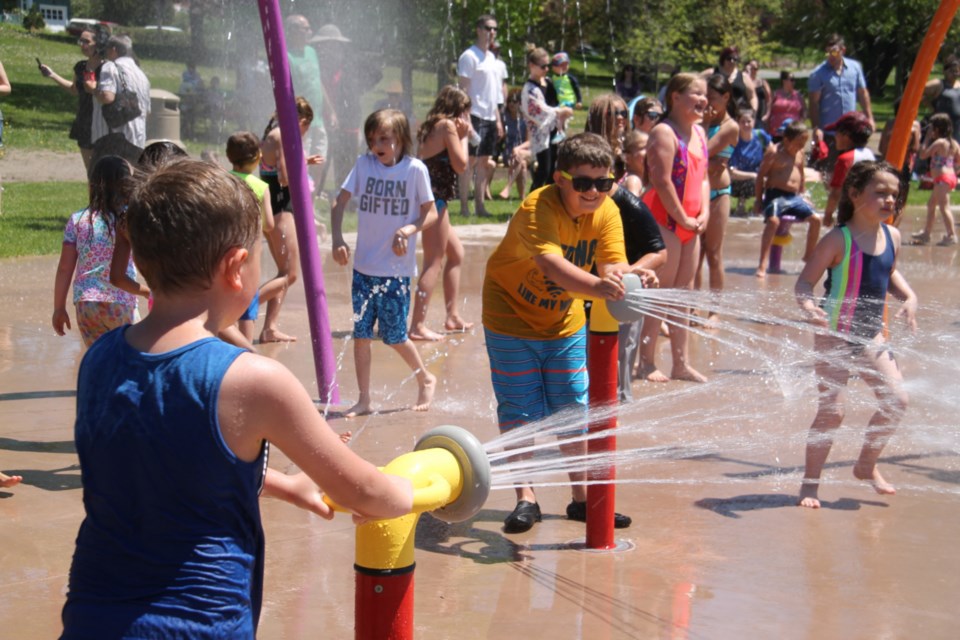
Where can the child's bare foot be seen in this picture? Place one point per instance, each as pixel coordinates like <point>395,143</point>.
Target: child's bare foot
<point>360,409</point>
<point>424,334</point>
<point>425,396</point>
<point>808,494</point>
<point>880,485</point>
<point>651,374</point>
<point>712,322</point>
<point>761,273</point>
<point>346,436</point>
<point>273,335</point>
<point>9,481</point>
<point>504,195</point>
<point>687,373</point>
<point>664,330</point>
<point>456,324</point>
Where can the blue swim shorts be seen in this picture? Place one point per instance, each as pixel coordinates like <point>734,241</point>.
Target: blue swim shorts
<point>381,300</point>
<point>778,203</point>
<point>253,309</point>
<point>534,379</point>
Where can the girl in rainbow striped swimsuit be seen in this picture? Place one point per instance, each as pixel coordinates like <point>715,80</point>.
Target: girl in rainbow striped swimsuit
<point>860,258</point>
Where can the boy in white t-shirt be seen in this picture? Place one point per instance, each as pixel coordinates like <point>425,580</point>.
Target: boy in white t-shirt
<point>394,201</point>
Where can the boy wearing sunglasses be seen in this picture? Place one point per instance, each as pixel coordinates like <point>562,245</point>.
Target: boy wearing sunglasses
<point>533,316</point>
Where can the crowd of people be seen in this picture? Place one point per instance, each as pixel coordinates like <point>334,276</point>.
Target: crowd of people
<point>645,189</point>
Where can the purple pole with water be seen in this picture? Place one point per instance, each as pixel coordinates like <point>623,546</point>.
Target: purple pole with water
<point>310,263</point>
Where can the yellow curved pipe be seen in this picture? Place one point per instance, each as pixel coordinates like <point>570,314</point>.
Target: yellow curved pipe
<point>437,481</point>
<point>600,319</point>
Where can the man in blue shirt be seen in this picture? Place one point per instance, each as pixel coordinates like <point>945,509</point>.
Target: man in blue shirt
<point>836,86</point>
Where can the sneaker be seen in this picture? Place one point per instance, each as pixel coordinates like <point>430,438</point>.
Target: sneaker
<point>523,517</point>
<point>578,511</point>
<point>948,241</point>
<point>920,238</point>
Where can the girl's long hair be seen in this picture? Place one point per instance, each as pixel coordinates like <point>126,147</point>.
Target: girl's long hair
<point>394,121</point>
<point>857,179</point>
<point>107,189</point>
<point>450,104</point>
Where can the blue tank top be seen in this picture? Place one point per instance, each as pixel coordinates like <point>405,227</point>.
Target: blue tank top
<point>172,544</point>
<point>856,289</point>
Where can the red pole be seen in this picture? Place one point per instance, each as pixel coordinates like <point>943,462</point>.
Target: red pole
<point>383,605</point>
<point>602,369</point>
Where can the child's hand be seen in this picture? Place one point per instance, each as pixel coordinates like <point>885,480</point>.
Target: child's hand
<point>400,243</point>
<point>690,224</point>
<point>341,252</point>
<point>908,311</point>
<point>316,159</point>
<point>462,125</point>
<point>60,319</point>
<point>648,277</point>
<point>610,287</point>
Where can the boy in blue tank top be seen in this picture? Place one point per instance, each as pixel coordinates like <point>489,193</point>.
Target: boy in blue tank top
<point>173,425</point>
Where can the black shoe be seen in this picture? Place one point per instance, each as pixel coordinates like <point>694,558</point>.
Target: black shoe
<point>578,511</point>
<point>524,515</point>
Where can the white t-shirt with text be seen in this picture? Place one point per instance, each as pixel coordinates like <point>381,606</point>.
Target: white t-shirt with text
<point>387,198</point>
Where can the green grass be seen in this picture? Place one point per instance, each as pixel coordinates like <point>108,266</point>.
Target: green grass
<point>34,214</point>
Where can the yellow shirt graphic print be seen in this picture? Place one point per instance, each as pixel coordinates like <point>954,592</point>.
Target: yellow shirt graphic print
<point>518,300</point>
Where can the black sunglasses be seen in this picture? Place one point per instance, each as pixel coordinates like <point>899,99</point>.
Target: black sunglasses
<point>623,113</point>
<point>489,28</point>
<point>542,66</point>
<point>583,184</point>
<point>736,60</point>
<point>653,115</point>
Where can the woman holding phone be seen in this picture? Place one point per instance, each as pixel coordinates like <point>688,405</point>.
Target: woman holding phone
<point>93,44</point>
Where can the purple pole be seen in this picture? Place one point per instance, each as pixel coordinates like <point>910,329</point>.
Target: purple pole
<point>310,262</point>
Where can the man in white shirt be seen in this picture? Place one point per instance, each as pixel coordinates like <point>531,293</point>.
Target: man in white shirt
<point>481,79</point>
<point>119,72</point>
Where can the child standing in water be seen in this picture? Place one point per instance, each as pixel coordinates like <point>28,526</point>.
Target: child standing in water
<point>443,150</point>
<point>781,182</point>
<point>283,240</point>
<point>174,428</point>
<point>944,153</point>
<point>860,256</point>
<point>243,152</point>
<point>394,203</point>
<point>88,244</point>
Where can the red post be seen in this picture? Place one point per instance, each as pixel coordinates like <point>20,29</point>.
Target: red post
<point>383,605</point>
<point>602,368</point>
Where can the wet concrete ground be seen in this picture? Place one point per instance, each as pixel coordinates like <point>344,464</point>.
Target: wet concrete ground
<point>719,549</point>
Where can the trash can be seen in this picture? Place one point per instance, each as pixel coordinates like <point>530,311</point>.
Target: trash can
<point>163,123</point>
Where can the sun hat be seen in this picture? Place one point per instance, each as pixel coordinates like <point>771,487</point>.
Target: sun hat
<point>328,33</point>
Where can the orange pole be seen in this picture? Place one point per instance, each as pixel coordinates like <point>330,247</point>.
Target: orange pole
<point>910,104</point>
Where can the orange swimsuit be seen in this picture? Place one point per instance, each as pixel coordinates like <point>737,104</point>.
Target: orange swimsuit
<point>688,167</point>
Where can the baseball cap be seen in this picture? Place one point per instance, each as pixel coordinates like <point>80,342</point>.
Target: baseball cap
<point>560,58</point>
<point>851,121</point>
<point>783,126</point>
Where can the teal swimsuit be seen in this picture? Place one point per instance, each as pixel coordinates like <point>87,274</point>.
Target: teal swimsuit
<point>726,152</point>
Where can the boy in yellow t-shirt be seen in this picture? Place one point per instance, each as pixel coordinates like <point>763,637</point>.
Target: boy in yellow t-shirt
<point>533,316</point>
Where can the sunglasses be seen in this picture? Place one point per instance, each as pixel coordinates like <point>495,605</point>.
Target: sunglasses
<point>735,60</point>
<point>622,113</point>
<point>489,28</point>
<point>544,66</point>
<point>583,184</point>
<point>653,115</point>
<point>82,41</point>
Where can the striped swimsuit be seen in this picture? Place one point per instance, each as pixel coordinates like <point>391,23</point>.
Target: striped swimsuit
<point>856,288</point>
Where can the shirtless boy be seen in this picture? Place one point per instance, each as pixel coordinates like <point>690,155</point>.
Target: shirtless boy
<point>779,189</point>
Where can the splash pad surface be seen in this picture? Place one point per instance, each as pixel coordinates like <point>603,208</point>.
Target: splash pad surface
<point>719,549</point>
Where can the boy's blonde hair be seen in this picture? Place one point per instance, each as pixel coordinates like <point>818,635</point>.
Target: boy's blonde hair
<point>243,147</point>
<point>392,120</point>
<point>584,149</point>
<point>794,130</point>
<point>183,218</point>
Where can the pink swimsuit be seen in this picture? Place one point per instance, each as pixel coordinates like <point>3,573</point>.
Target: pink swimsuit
<point>688,168</point>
